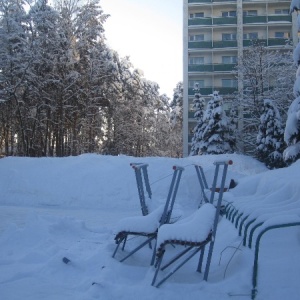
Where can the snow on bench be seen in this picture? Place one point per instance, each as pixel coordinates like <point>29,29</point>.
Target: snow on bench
<point>192,230</point>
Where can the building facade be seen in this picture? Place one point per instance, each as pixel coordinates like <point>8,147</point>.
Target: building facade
<point>215,32</point>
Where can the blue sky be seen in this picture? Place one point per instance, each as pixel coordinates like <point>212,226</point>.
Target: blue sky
<point>150,32</point>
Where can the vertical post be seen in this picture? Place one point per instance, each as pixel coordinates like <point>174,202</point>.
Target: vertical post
<point>215,226</point>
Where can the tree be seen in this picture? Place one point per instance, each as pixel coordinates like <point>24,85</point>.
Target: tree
<point>292,128</point>
<point>198,106</point>
<point>266,74</point>
<point>176,120</point>
<point>269,140</point>
<point>216,137</point>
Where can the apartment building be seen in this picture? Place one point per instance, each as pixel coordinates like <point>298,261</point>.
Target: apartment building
<point>215,32</point>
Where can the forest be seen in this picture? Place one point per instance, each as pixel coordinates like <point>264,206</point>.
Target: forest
<point>64,92</point>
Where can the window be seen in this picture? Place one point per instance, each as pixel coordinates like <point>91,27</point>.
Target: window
<point>197,15</point>
<point>279,35</point>
<point>196,38</point>
<point>228,36</point>
<point>229,59</point>
<point>196,60</point>
<point>229,83</point>
<point>229,13</point>
<point>250,36</point>
<point>250,13</point>
<point>281,11</point>
<point>192,83</point>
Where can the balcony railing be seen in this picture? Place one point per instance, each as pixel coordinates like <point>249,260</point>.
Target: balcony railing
<point>266,19</point>
<point>211,68</point>
<point>209,1</point>
<point>200,21</point>
<point>267,42</point>
<point>224,44</point>
<point>209,90</point>
<point>233,44</point>
<point>233,20</point>
<point>203,44</point>
<point>212,21</point>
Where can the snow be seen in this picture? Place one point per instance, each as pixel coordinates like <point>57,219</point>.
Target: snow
<point>192,229</point>
<point>56,208</point>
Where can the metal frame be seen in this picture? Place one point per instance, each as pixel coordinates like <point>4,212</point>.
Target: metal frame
<point>193,248</point>
<point>121,237</point>
<point>142,178</point>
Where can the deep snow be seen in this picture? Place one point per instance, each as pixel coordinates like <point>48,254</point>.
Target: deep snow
<point>51,208</point>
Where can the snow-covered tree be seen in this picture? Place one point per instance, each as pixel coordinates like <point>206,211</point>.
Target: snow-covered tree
<point>198,107</point>
<point>176,118</point>
<point>266,74</point>
<point>270,144</point>
<point>217,135</point>
<point>292,128</point>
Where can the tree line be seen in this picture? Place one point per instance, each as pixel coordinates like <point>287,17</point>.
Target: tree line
<point>64,91</point>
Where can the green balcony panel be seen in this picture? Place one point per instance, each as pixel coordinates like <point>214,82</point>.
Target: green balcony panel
<point>287,18</point>
<point>191,114</point>
<point>200,21</point>
<point>203,90</point>
<point>200,68</point>
<point>224,20</point>
<point>190,137</point>
<point>277,42</point>
<point>247,43</point>
<point>226,90</point>
<point>223,67</point>
<point>254,19</point>
<point>209,1</point>
<point>224,44</point>
<point>204,44</point>
<point>199,1</point>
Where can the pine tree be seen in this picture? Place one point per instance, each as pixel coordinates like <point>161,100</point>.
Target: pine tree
<point>216,137</point>
<point>198,106</point>
<point>269,140</point>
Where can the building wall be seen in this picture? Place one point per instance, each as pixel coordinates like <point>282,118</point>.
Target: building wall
<point>215,34</point>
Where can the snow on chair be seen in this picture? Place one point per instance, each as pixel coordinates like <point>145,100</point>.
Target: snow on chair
<point>147,226</point>
<point>194,233</point>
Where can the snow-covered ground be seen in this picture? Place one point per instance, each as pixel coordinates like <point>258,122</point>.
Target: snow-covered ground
<point>51,208</point>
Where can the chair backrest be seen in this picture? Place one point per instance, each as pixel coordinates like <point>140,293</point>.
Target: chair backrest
<point>142,179</point>
<point>167,213</point>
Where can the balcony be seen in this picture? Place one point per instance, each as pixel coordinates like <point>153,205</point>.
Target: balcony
<point>211,68</point>
<point>267,42</point>
<point>212,21</point>
<point>224,20</point>
<point>266,19</point>
<point>200,21</point>
<point>209,90</point>
<point>254,19</point>
<point>199,45</point>
<point>225,44</point>
<point>278,18</point>
<point>277,42</point>
<point>208,1</point>
<point>233,20</point>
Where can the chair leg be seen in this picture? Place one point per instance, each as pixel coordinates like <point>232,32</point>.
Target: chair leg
<point>199,268</point>
<point>157,265</point>
<point>138,248</point>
